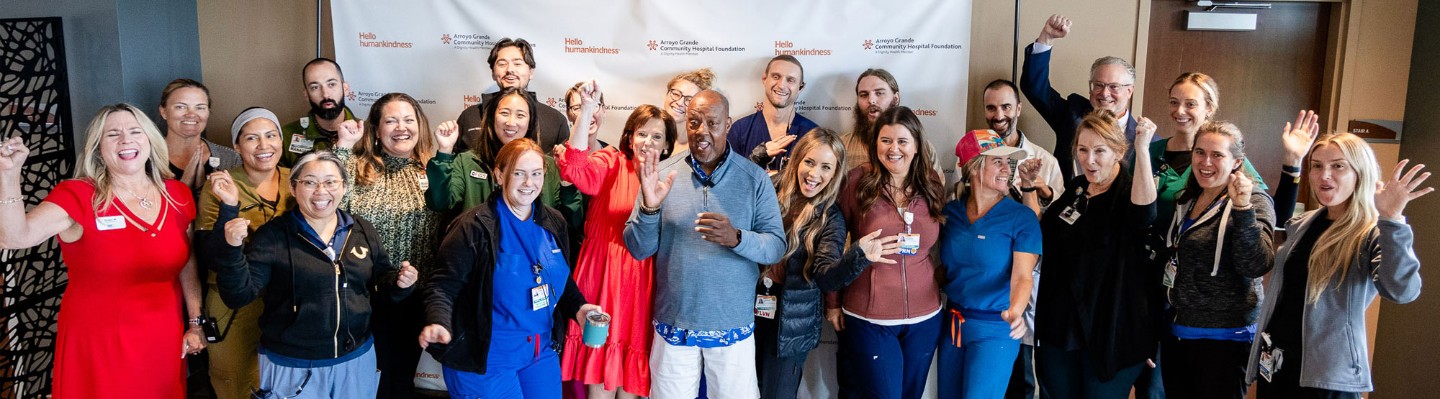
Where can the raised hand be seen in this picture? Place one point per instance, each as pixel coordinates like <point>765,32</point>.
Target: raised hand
<point>434,334</point>
<point>446,134</point>
<point>778,146</point>
<point>408,275</point>
<point>195,168</point>
<point>1056,27</point>
<point>652,189</point>
<point>715,227</point>
<point>1393,194</point>
<point>1298,137</point>
<point>349,133</point>
<point>876,248</point>
<point>1240,188</point>
<point>12,156</point>
<point>1144,132</point>
<point>590,95</point>
<point>236,230</point>
<point>1028,171</point>
<point>224,188</point>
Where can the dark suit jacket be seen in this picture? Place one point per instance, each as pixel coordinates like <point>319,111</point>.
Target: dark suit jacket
<point>1063,114</point>
<point>552,127</point>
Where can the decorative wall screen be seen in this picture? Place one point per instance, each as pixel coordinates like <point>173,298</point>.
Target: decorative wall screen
<point>35,105</point>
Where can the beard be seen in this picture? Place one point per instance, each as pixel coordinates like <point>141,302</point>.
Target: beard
<point>321,112</point>
<point>1009,127</point>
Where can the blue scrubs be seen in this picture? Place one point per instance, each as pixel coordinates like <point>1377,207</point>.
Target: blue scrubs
<point>521,363</point>
<point>978,262</point>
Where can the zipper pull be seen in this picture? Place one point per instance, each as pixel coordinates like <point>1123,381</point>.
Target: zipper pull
<point>337,268</point>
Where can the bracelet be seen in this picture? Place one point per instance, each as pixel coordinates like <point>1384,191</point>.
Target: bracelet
<point>648,210</point>
<point>11,200</point>
<point>1030,189</point>
<point>196,321</point>
<point>1294,170</point>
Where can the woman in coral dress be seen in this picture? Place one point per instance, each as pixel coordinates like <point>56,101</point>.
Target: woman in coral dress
<point>123,226</point>
<point>606,273</point>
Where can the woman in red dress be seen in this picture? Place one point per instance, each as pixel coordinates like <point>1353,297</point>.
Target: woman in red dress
<point>123,227</point>
<point>606,273</point>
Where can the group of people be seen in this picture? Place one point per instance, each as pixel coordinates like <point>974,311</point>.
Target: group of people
<point>335,250</point>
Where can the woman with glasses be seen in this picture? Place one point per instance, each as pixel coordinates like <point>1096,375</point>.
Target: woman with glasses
<point>317,267</point>
<point>1095,318</point>
<point>256,191</point>
<point>678,93</point>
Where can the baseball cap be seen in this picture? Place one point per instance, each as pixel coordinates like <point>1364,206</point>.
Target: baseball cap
<point>985,142</point>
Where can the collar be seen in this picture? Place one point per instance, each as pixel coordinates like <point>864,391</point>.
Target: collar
<point>394,163</point>
<point>343,223</point>
<point>708,179</point>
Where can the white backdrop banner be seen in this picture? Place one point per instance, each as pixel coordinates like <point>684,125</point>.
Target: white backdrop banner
<point>436,51</point>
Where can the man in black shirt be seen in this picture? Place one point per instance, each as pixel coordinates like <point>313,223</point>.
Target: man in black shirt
<point>512,64</point>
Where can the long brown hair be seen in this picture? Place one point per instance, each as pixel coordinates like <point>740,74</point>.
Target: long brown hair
<point>369,165</point>
<point>805,229</point>
<point>921,181</point>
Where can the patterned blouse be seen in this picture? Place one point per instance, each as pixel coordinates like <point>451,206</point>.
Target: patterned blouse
<point>395,204</point>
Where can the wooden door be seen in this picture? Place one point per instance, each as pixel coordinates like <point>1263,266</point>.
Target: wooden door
<point>1265,75</point>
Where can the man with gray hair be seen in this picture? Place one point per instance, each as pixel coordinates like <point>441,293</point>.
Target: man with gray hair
<point>1112,82</point>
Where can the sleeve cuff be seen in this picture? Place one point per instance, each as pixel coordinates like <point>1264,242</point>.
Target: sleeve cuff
<point>1039,47</point>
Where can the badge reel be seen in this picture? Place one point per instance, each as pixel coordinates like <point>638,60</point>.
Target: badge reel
<point>1072,213</point>
<point>540,295</point>
<point>909,243</point>
<point>765,304</point>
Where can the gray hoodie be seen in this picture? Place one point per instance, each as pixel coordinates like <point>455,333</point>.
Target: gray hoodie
<point>1217,282</point>
<point>1333,329</point>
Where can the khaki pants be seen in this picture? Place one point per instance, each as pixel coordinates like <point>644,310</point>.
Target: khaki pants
<point>234,362</point>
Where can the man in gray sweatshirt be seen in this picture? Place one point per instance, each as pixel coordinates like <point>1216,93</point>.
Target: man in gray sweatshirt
<point>710,219</point>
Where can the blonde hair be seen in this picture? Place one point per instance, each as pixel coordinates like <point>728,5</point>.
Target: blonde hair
<point>962,187</point>
<point>90,165</point>
<point>369,165</point>
<point>805,230</point>
<point>703,78</point>
<point>1347,236</point>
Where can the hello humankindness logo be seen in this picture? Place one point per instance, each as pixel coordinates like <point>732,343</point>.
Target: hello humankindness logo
<point>371,40</point>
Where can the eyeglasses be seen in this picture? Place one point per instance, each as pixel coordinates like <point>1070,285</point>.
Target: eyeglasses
<point>328,185</point>
<point>676,94</point>
<point>1096,87</point>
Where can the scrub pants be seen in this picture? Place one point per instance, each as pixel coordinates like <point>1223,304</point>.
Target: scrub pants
<point>983,359</point>
<point>356,378</point>
<point>234,362</point>
<point>517,367</point>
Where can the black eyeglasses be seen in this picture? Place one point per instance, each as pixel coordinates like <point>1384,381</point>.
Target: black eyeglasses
<point>676,94</point>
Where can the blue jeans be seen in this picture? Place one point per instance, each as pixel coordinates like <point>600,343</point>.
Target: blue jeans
<point>888,361</point>
<point>983,360</point>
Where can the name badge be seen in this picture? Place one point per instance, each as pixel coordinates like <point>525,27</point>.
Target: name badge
<point>539,297</point>
<point>1070,215</point>
<point>109,223</point>
<point>300,145</point>
<point>765,306</point>
<point>424,183</point>
<point>478,175</point>
<point>909,244</point>
<point>1170,270</point>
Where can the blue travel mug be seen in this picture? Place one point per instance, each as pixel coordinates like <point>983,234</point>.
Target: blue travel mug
<point>597,329</point>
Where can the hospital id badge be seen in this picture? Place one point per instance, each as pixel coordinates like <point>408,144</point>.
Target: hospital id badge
<point>424,183</point>
<point>109,223</point>
<point>1170,269</point>
<point>300,145</point>
<point>1271,358</point>
<point>765,306</point>
<point>539,297</point>
<point>1070,215</point>
<point>909,244</point>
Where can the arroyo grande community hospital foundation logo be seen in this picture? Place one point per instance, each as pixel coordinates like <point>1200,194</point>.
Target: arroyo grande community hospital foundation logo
<point>687,47</point>
<point>467,41</point>
<point>905,45</point>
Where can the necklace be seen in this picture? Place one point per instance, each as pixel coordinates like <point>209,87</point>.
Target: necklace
<point>144,202</point>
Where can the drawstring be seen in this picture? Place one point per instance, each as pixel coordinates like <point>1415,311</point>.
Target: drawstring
<point>955,321</point>
<point>1220,238</point>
